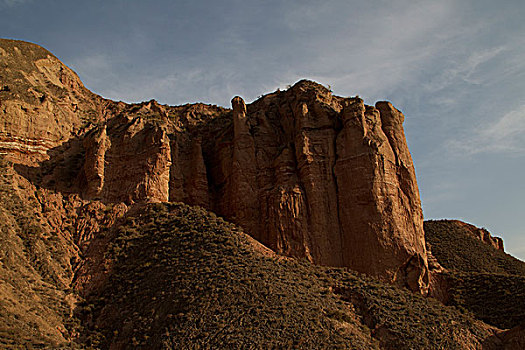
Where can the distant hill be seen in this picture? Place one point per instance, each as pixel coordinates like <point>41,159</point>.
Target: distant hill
<point>482,279</point>
<point>457,249</point>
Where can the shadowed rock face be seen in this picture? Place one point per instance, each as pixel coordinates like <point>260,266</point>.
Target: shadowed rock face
<point>307,173</point>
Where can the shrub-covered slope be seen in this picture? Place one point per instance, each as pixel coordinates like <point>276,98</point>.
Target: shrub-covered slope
<point>497,299</point>
<point>179,277</point>
<point>482,279</point>
<point>457,250</point>
<point>34,269</point>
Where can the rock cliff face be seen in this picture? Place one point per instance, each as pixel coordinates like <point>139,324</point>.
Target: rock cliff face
<point>42,102</point>
<point>325,178</point>
<point>307,173</point>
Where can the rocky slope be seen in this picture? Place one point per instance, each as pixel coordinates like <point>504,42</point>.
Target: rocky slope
<point>44,239</point>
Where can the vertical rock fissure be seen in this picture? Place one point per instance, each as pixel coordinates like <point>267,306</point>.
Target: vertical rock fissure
<point>334,179</point>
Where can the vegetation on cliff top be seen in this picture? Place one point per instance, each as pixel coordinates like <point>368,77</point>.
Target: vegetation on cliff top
<point>458,250</point>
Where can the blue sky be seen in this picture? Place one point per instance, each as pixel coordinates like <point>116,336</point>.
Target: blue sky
<point>455,68</point>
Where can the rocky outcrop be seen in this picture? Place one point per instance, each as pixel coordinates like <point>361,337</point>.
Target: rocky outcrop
<point>378,196</point>
<point>480,233</point>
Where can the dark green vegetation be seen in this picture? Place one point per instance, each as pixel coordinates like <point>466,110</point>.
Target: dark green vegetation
<point>183,278</point>
<point>483,280</point>
<point>496,299</point>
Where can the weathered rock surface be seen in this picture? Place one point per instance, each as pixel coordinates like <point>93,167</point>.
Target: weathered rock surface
<point>324,178</point>
<point>513,338</point>
<point>42,102</point>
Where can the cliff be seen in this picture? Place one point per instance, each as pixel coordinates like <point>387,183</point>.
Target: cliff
<point>307,173</point>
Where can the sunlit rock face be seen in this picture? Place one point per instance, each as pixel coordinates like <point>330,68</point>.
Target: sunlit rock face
<point>325,178</point>
<point>309,174</point>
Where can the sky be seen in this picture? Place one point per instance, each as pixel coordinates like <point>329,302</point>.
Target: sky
<point>456,69</point>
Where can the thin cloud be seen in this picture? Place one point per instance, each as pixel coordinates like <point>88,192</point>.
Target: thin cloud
<point>506,135</point>
<point>12,3</point>
<point>373,51</point>
<point>465,71</point>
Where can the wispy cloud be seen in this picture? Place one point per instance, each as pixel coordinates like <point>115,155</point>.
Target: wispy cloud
<point>506,135</point>
<point>11,3</point>
<point>465,70</point>
<point>374,50</point>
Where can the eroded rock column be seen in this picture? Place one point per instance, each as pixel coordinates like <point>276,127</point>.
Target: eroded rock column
<point>243,191</point>
<point>95,146</point>
<point>197,182</point>
<point>379,205</point>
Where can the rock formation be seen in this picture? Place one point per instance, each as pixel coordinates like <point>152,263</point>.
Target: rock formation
<point>324,178</point>
<point>307,173</point>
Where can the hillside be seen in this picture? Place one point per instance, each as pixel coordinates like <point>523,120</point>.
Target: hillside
<point>481,278</point>
<point>201,282</point>
<point>33,273</point>
<point>457,249</point>
<point>44,238</point>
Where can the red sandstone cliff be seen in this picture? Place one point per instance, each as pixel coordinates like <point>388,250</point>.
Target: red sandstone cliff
<point>307,173</point>
<point>326,178</point>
